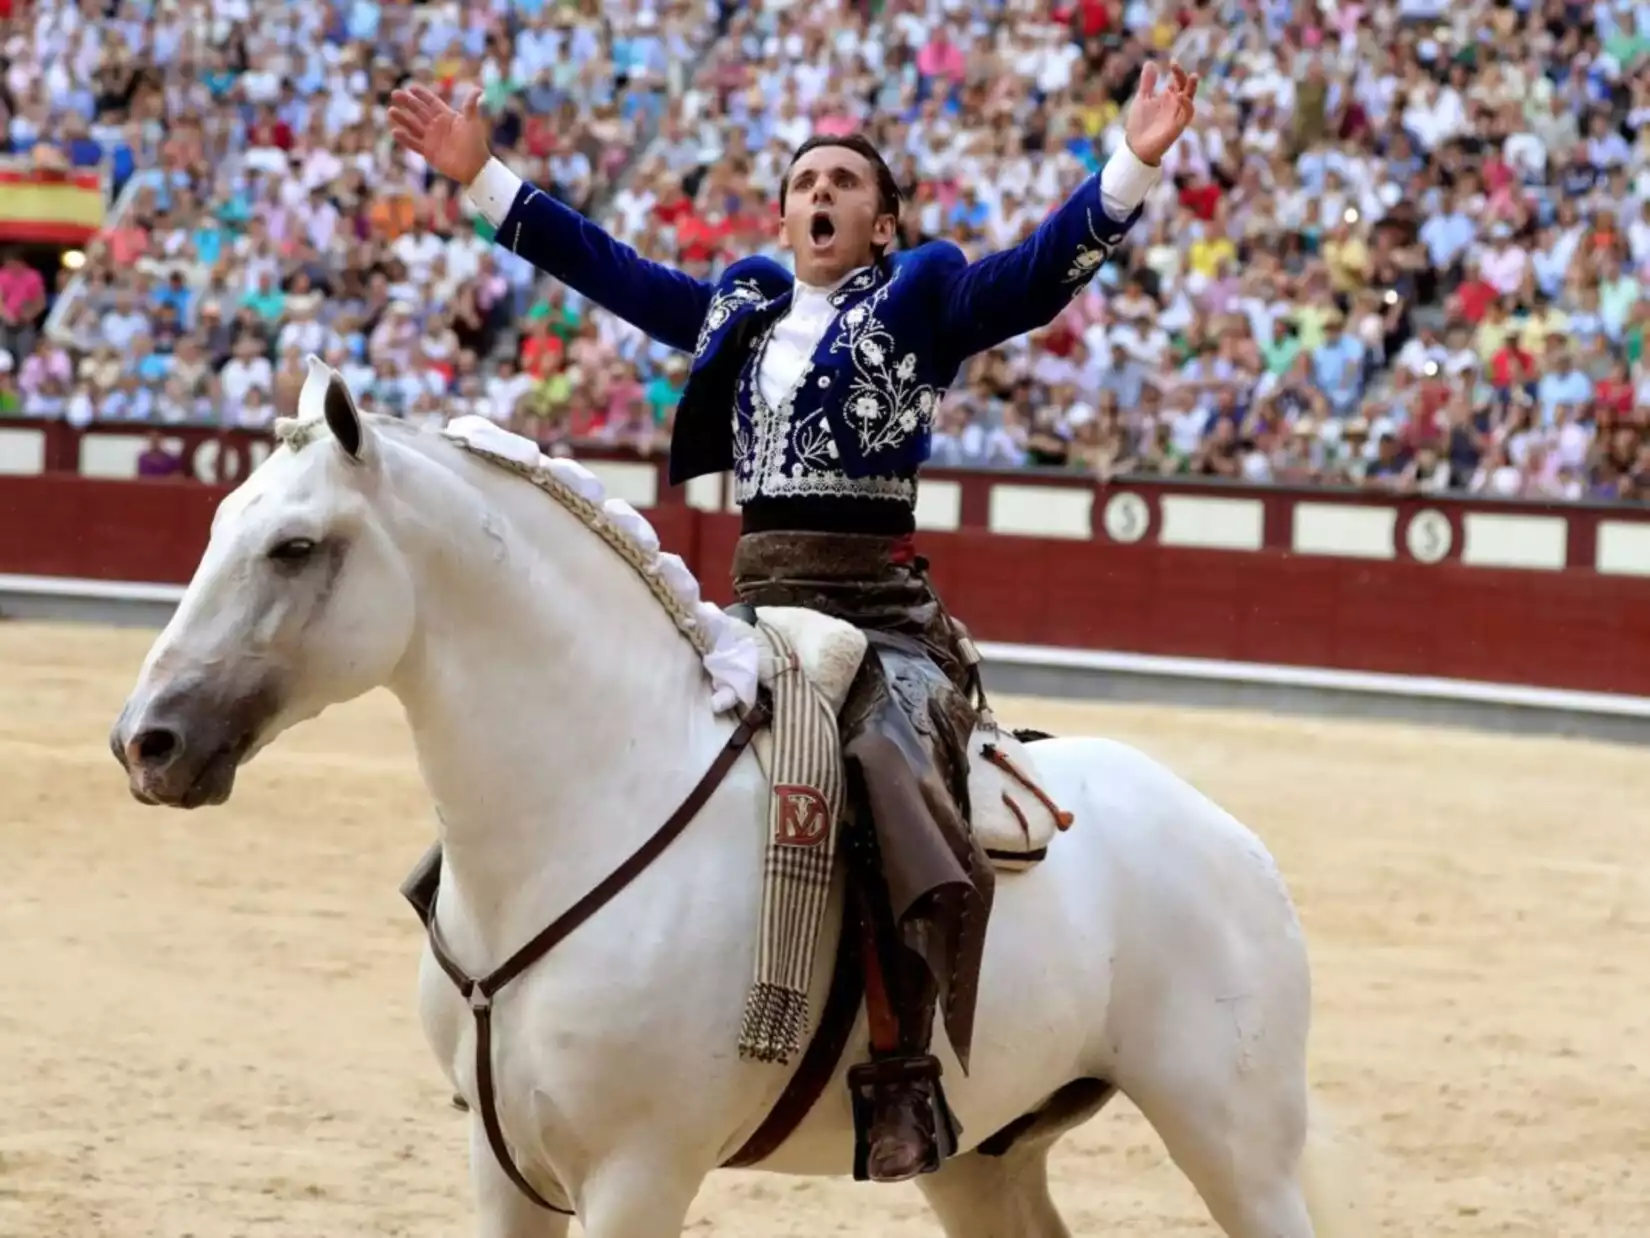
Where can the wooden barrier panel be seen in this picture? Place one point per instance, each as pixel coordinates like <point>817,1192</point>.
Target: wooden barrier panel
<point>57,524</point>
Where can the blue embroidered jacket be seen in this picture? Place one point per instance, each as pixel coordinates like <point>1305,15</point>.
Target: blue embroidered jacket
<point>857,423</point>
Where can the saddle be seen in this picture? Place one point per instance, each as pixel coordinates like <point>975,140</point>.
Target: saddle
<point>1006,808</point>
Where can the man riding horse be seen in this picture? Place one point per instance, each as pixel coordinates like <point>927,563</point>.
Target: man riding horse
<point>817,392</point>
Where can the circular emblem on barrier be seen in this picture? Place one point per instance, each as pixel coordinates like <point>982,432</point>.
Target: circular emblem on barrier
<point>227,461</point>
<point>1429,536</point>
<point>1126,517</point>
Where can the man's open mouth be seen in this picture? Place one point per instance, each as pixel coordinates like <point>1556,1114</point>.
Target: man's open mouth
<point>820,228</point>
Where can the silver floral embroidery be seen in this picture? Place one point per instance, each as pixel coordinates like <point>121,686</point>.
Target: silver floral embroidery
<point>722,307</point>
<point>742,444</point>
<point>779,453</point>
<point>1088,259</point>
<point>858,284</point>
<point>885,403</point>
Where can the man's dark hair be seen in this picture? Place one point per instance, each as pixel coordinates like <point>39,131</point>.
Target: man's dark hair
<point>887,187</point>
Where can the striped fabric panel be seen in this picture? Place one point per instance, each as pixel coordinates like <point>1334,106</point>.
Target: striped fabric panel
<point>803,816</point>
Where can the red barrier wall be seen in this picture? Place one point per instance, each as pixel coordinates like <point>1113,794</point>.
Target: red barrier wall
<point>1547,595</point>
<point>58,524</point>
<point>1580,631</point>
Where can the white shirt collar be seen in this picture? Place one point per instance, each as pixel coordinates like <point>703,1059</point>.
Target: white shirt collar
<point>814,292</point>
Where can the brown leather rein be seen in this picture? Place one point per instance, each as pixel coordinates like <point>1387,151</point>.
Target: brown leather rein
<point>479,991</point>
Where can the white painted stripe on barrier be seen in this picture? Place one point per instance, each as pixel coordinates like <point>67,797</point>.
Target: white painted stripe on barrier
<point>22,451</point>
<point>939,504</point>
<point>1313,677</point>
<point>705,492</point>
<point>1346,530</point>
<point>1211,524</point>
<point>1495,540</point>
<point>1623,548</point>
<point>1041,511</point>
<point>1059,658</point>
<point>110,455</point>
<point>636,484</point>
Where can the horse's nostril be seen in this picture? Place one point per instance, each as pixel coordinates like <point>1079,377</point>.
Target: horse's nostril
<point>154,746</point>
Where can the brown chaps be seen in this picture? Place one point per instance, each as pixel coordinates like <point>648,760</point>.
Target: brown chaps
<point>905,730</point>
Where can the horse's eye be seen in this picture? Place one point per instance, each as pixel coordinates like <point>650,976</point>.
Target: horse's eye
<point>293,551</point>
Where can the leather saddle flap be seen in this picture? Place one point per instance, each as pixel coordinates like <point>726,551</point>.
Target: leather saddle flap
<point>1013,817</point>
<point>828,651</point>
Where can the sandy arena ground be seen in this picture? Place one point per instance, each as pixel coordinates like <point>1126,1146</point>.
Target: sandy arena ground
<point>206,1021</point>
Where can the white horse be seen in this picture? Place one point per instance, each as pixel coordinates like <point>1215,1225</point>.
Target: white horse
<point>559,716</point>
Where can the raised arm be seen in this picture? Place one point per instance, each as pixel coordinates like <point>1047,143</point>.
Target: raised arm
<point>667,304</point>
<point>1006,294</point>
<point>1025,287</point>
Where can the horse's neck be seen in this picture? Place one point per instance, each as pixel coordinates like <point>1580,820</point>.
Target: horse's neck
<point>559,719</point>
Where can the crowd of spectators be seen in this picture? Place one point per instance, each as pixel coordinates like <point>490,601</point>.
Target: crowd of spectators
<point>1405,244</point>
<point>267,214</point>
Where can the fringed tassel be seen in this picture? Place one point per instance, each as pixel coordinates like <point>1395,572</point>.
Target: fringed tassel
<point>776,1019</point>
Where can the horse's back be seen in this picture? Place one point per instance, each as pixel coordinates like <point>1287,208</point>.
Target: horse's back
<point>1193,903</point>
<point>1135,812</point>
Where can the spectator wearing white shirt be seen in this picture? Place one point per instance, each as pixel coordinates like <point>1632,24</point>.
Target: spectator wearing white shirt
<point>253,411</point>
<point>124,322</point>
<point>1606,148</point>
<point>1502,261</point>
<point>1423,354</point>
<point>418,249</point>
<point>303,332</point>
<point>246,369</point>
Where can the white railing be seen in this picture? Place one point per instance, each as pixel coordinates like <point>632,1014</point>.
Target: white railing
<point>64,307</point>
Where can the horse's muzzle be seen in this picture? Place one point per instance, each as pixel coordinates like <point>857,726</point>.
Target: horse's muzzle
<point>182,749</point>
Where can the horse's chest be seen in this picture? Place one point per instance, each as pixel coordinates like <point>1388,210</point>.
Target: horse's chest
<point>578,1038</point>
<point>445,1017</point>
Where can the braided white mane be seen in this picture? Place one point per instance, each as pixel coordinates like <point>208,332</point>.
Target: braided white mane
<point>728,649</point>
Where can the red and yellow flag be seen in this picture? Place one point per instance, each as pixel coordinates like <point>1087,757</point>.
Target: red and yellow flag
<point>49,206</point>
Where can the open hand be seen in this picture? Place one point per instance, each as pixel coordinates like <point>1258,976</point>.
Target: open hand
<point>1157,118</point>
<point>454,143</point>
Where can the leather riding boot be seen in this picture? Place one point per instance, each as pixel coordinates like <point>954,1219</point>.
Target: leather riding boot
<point>909,1128</point>
<point>906,1120</point>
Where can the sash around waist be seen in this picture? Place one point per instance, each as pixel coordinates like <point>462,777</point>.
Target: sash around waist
<point>879,584</point>
<point>836,557</point>
<point>833,515</point>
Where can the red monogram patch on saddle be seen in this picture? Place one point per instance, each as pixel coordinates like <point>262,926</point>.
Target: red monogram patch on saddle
<point>804,817</point>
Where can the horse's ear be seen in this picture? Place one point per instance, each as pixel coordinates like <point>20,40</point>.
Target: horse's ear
<point>344,419</point>
<point>326,386</point>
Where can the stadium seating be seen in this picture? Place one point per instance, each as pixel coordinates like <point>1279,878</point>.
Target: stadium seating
<point>1404,246</point>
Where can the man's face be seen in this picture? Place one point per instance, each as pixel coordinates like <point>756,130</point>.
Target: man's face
<point>832,218</point>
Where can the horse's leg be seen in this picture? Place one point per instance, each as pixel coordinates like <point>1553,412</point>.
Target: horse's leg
<point>502,1211</point>
<point>1235,1122</point>
<point>978,1196</point>
<point>1000,1190</point>
<point>638,1197</point>
<point>1247,1171</point>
